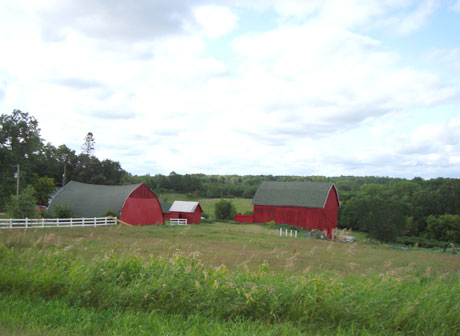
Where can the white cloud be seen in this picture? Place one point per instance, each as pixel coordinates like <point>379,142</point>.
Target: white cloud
<point>316,80</point>
<point>215,21</point>
<point>417,18</point>
<point>297,99</point>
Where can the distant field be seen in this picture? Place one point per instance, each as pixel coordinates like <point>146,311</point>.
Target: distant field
<point>219,279</point>
<point>237,245</point>
<point>242,205</point>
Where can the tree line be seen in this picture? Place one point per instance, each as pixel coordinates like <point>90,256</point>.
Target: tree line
<point>25,156</point>
<point>389,209</point>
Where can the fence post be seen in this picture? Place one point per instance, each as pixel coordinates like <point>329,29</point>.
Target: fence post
<point>296,234</point>
<point>57,222</point>
<point>286,232</point>
<point>43,222</point>
<point>11,223</point>
<point>290,233</point>
<point>27,222</point>
<point>281,232</point>
<point>94,221</point>
<point>83,221</point>
<point>105,221</point>
<point>71,222</point>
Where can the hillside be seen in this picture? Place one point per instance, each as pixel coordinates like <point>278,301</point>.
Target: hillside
<point>220,279</point>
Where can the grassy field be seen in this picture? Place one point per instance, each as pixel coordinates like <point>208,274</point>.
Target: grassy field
<point>219,279</point>
<point>242,205</point>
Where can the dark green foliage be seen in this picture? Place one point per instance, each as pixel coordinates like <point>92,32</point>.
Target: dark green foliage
<point>224,210</point>
<point>445,227</point>
<point>421,242</point>
<point>110,213</point>
<point>90,170</point>
<point>23,207</point>
<point>62,211</point>
<point>20,143</point>
<point>44,188</point>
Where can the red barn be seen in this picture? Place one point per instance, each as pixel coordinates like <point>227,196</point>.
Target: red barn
<point>187,210</point>
<point>134,204</point>
<point>311,205</point>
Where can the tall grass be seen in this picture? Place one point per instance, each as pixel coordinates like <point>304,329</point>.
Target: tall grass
<point>21,315</point>
<point>388,303</point>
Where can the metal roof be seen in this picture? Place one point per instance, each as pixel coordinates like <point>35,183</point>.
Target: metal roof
<point>92,200</point>
<point>165,207</point>
<point>181,206</point>
<point>301,194</point>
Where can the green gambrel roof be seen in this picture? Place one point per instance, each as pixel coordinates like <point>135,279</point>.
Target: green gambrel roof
<point>300,194</point>
<point>92,200</point>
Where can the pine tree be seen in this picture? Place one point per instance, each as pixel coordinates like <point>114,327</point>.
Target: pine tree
<point>88,145</point>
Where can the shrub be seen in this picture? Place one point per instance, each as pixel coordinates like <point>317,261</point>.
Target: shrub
<point>24,206</point>
<point>224,210</point>
<point>110,213</point>
<point>62,211</point>
<point>421,242</point>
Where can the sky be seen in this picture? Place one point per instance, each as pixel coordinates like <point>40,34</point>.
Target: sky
<point>281,87</point>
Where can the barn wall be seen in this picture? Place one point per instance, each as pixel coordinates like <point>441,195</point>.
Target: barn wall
<point>244,218</point>
<point>192,218</point>
<point>142,208</point>
<point>310,218</point>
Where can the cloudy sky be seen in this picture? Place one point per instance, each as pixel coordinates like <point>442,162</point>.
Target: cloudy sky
<point>282,87</point>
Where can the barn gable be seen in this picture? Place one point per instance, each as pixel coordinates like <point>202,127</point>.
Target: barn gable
<point>298,194</point>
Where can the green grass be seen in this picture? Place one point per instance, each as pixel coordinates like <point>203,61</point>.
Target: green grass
<point>242,205</point>
<point>21,315</point>
<point>219,279</point>
<point>75,289</point>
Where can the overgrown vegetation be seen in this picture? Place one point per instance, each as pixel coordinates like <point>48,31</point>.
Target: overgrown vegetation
<point>24,206</point>
<point>181,285</point>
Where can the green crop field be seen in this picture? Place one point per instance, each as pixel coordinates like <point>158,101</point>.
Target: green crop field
<point>219,279</point>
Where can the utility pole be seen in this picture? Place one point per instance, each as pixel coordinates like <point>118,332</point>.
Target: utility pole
<point>17,182</point>
<point>63,175</point>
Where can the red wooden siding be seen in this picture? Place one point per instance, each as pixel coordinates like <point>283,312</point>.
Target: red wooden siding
<point>142,208</point>
<point>323,219</point>
<point>244,218</point>
<point>192,217</point>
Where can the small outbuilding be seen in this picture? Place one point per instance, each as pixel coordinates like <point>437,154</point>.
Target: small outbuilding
<point>311,205</point>
<point>134,204</point>
<point>186,210</point>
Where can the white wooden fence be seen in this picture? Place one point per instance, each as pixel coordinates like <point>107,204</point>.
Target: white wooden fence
<point>293,233</point>
<point>178,221</point>
<point>43,223</point>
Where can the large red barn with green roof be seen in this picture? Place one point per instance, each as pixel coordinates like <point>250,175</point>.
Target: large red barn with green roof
<point>311,205</point>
